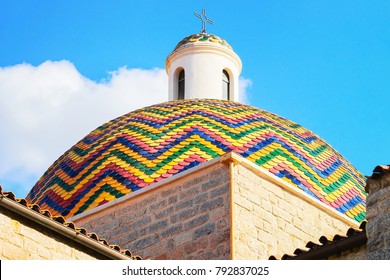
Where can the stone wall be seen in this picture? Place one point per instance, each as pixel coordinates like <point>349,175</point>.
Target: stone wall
<point>270,220</point>
<point>189,216</point>
<point>22,239</point>
<point>378,221</point>
<point>185,218</point>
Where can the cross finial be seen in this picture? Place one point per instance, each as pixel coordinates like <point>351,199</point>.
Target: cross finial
<point>204,19</point>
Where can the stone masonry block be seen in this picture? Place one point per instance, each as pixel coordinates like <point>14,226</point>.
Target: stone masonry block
<point>185,214</point>
<point>164,213</point>
<point>220,212</point>
<point>181,238</point>
<point>170,192</point>
<point>30,245</point>
<point>12,252</point>
<point>123,230</point>
<point>11,237</point>
<point>220,190</point>
<point>200,198</point>
<point>144,242</point>
<point>172,199</point>
<point>160,204</point>
<point>141,222</point>
<point>196,245</point>
<point>287,207</point>
<point>190,192</point>
<point>155,249</point>
<point>218,173</point>
<point>243,202</point>
<point>172,230</point>
<point>183,204</point>
<point>204,230</point>
<point>158,226</point>
<point>197,221</point>
<point>211,204</point>
<point>212,183</point>
<point>130,236</point>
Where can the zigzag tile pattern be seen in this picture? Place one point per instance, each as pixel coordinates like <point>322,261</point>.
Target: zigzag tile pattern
<point>148,145</point>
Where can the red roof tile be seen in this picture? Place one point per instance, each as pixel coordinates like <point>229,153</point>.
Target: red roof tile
<point>326,247</point>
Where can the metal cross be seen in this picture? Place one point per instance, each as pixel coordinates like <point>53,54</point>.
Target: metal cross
<point>204,19</point>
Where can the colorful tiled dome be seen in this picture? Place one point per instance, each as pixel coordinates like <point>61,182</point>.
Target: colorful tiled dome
<point>202,38</point>
<point>148,145</point>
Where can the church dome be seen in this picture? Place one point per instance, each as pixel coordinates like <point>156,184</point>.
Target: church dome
<point>151,144</point>
<point>202,38</point>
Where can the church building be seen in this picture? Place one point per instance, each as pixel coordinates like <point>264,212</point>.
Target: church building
<point>204,176</point>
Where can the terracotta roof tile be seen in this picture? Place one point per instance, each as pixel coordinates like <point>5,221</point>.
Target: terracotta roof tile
<point>379,178</point>
<point>326,248</point>
<point>71,225</point>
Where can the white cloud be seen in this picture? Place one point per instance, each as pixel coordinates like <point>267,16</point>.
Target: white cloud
<point>244,84</point>
<point>46,109</point>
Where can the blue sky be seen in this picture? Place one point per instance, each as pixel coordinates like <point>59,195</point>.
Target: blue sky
<point>68,66</point>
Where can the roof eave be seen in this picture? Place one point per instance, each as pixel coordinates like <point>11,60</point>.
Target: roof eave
<point>61,229</point>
